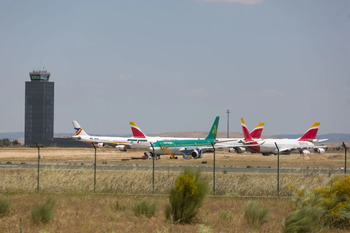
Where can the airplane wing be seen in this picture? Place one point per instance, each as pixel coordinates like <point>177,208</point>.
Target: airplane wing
<point>318,149</point>
<point>114,143</point>
<point>237,144</point>
<point>191,149</point>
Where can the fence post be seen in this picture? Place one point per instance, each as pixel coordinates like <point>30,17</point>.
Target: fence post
<point>153,168</point>
<point>38,179</point>
<point>345,157</point>
<point>212,144</point>
<point>278,170</point>
<point>94,168</point>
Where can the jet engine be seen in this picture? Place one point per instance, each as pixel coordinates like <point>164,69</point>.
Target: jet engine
<point>121,147</point>
<point>320,150</point>
<point>239,150</point>
<point>100,144</point>
<point>305,152</point>
<point>196,154</point>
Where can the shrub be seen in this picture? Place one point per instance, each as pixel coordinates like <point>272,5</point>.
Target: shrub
<point>255,215</point>
<point>333,200</point>
<point>306,219</point>
<point>43,213</point>
<point>144,209</point>
<point>186,197</point>
<point>4,207</point>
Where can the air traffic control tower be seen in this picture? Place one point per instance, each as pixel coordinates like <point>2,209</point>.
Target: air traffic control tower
<point>39,109</point>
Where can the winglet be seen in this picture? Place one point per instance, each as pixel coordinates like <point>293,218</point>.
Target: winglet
<point>136,131</point>
<point>214,129</point>
<point>311,133</point>
<point>257,131</point>
<point>246,134</point>
<point>78,129</point>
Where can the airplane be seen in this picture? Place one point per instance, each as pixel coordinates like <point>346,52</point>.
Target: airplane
<point>286,146</point>
<point>222,142</point>
<point>121,143</point>
<point>233,147</point>
<point>188,148</point>
<point>145,140</point>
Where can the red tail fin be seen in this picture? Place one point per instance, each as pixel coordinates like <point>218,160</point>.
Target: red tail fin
<point>257,131</point>
<point>311,133</point>
<point>136,131</point>
<point>246,134</point>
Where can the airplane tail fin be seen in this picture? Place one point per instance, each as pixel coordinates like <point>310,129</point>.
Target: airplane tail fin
<point>79,130</point>
<point>311,133</point>
<point>213,131</point>
<point>136,131</point>
<point>257,131</point>
<point>246,134</point>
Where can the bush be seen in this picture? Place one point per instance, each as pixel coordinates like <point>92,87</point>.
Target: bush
<point>306,219</point>
<point>144,209</point>
<point>333,201</point>
<point>186,197</point>
<point>255,215</point>
<point>43,213</point>
<point>4,207</point>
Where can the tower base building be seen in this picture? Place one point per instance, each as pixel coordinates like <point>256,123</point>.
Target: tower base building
<point>39,109</point>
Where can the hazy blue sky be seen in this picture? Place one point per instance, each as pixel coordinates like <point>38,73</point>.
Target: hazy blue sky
<point>175,65</point>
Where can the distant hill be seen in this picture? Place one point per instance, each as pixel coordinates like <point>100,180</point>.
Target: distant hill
<point>12,135</point>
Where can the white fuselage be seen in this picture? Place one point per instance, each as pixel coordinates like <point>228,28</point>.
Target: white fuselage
<point>268,146</point>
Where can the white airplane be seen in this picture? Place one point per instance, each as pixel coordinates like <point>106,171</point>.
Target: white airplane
<point>121,143</point>
<point>234,147</point>
<point>286,146</point>
<point>231,143</point>
<point>147,140</point>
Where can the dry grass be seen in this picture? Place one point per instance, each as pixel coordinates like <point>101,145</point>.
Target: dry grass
<point>95,213</point>
<point>79,210</point>
<point>140,182</point>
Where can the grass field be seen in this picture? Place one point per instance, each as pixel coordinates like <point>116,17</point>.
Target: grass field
<point>78,209</point>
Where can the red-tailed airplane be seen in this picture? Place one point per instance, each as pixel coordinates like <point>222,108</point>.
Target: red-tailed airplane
<point>286,146</point>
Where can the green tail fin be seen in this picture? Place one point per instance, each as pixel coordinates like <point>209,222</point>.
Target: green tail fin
<point>214,129</point>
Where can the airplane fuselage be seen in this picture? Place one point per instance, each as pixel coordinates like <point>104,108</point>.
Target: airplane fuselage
<point>285,146</point>
<point>180,147</point>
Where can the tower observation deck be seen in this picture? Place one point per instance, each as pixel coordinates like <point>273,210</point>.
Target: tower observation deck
<point>39,109</point>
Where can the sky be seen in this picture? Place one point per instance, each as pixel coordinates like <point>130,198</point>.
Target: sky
<point>173,66</point>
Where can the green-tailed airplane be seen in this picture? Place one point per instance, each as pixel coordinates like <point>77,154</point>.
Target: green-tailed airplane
<point>188,148</point>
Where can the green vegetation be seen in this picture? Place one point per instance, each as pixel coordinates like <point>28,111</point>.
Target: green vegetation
<point>328,206</point>
<point>4,207</point>
<point>144,209</point>
<point>43,213</point>
<point>255,215</point>
<point>305,219</point>
<point>186,197</point>
<point>6,142</point>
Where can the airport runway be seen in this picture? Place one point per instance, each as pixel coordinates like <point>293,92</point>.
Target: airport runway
<point>174,168</point>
